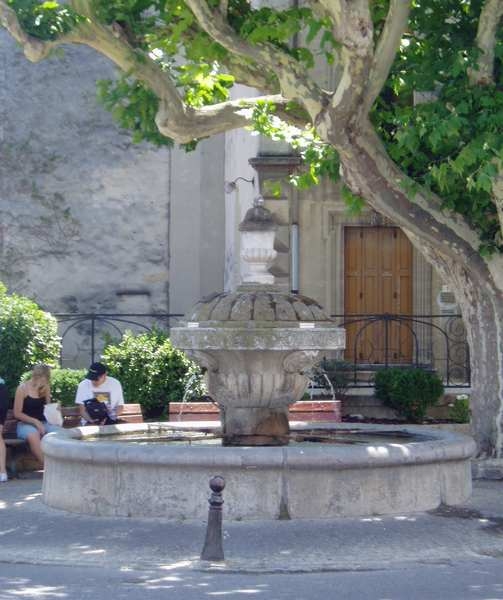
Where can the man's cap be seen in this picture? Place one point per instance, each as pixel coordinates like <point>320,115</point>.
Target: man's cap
<point>96,370</point>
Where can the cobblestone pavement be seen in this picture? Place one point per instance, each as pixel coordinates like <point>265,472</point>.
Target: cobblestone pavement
<point>33,533</point>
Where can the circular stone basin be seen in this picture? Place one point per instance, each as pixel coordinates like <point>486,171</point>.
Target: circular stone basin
<point>384,470</point>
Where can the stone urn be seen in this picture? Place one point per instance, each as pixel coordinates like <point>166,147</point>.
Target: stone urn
<point>257,343</point>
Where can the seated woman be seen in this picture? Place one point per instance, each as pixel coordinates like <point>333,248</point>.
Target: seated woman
<point>4,404</point>
<point>29,401</point>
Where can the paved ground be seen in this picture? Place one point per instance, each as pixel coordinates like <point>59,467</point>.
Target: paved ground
<point>448,553</point>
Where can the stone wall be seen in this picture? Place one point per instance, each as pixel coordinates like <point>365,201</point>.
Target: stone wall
<point>89,221</point>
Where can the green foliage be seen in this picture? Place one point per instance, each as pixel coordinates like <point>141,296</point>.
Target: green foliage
<point>28,336</point>
<point>320,159</point>
<point>167,30</point>
<point>437,46</point>
<point>460,412</point>
<point>280,27</point>
<point>64,383</point>
<point>354,204</point>
<point>204,84</point>
<point>450,146</point>
<point>134,107</point>
<point>45,20</point>
<point>448,143</point>
<point>151,371</point>
<point>124,11</point>
<point>409,392</point>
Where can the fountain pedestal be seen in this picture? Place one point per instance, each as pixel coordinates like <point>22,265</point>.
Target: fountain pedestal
<point>257,345</point>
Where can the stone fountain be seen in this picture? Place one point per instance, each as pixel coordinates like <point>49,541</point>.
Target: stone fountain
<point>257,343</point>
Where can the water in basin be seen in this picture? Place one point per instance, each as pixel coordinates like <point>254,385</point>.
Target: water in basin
<point>315,436</point>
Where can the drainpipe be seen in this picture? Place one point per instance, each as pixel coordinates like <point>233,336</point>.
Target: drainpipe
<point>294,257</point>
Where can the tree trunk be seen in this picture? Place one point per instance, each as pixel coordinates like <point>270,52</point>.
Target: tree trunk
<point>486,342</point>
<point>369,172</point>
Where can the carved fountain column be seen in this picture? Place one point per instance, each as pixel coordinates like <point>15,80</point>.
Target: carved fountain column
<point>257,343</point>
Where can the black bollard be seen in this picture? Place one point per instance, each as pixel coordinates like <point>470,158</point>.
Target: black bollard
<point>213,546</point>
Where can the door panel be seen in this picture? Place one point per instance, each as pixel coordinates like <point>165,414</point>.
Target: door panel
<point>377,280</point>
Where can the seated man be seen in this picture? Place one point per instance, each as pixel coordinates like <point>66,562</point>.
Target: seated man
<point>99,388</point>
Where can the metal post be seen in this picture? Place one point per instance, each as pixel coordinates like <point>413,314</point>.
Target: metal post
<point>386,340</point>
<point>93,327</point>
<point>294,258</point>
<point>213,546</point>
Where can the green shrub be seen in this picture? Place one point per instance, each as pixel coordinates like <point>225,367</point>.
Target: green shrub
<point>64,384</point>
<point>409,392</point>
<point>28,336</point>
<point>459,411</point>
<point>151,371</point>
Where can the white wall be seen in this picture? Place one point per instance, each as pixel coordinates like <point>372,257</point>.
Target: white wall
<point>240,146</point>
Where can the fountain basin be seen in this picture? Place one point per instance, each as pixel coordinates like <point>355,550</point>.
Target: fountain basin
<point>299,481</point>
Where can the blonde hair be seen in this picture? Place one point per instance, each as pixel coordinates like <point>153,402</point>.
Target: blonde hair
<point>41,378</point>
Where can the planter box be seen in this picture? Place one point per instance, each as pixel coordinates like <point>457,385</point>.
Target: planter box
<point>317,410</point>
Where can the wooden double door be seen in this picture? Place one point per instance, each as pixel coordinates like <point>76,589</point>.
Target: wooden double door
<point>377,281</point>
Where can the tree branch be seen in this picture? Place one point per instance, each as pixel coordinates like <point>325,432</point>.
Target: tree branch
<point>224,6</point>
<point>294,82</point>
<point>34,49</point>
<point>387,46</point>
<point>497,186</point>
<point>490,17</point>
<point>174,119</point>
<point>335,10</point>
<point>356,57</point>
<point>216,118</point>
<point>250,75</point>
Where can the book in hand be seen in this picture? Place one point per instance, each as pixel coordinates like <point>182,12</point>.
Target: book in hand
<point>96,410</point>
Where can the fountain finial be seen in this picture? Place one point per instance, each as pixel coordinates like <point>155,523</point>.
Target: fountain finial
<point>258,218</point>
<point>257,243</point>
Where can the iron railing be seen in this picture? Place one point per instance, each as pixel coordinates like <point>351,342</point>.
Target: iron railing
<point>85,334</point>
<point>434,342</point>
<point>374,341</point>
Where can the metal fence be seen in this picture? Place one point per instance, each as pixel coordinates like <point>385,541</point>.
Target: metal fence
<point>433,342</point>
<point>84,335</point>
<point>374,341</point>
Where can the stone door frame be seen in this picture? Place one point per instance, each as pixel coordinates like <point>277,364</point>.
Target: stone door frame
<point>335,219</point>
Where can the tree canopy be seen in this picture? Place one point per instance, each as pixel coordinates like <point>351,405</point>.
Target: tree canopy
<point>190,54</point>
<point>412,122</point>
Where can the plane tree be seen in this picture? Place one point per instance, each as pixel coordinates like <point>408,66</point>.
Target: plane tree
<point>413,123</point>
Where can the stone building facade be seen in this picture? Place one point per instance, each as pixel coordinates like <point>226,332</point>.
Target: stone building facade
<point>89,221</point>
<point>92,223</point>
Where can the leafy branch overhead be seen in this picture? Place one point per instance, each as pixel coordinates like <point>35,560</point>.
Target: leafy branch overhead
<point>181,60</point>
